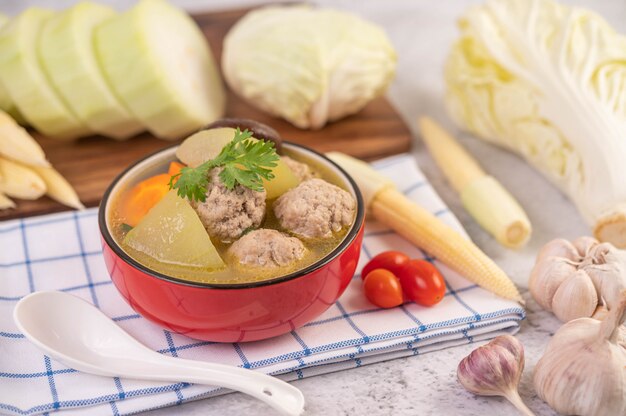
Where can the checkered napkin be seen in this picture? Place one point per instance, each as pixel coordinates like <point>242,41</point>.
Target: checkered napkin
<point>62,252</point>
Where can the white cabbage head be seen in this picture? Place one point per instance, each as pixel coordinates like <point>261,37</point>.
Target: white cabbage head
<point>548,82</point>
<point>307,65</point>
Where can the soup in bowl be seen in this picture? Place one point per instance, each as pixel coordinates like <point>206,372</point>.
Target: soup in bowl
<point>229,257</point>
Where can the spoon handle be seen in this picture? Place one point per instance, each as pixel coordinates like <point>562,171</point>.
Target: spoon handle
<point>280,395</point>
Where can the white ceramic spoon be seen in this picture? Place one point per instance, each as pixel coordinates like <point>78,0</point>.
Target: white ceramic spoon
<point>77,334</point>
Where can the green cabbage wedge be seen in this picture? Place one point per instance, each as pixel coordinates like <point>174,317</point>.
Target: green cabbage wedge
<point>307,65</point>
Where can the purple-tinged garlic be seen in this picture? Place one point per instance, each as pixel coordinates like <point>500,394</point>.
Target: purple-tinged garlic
<point>495,369</point>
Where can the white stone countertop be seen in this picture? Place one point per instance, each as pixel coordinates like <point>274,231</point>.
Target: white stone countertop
<point>422,32</point>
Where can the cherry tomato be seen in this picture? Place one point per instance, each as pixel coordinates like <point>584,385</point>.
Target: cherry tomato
<point>388,260</point>
<point>422,282</point>
<point>382,288</point>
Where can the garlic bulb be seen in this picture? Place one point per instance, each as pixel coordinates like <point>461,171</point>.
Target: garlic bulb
<point>572,279</point>
<point>583,371</point>
<point>495,369</point>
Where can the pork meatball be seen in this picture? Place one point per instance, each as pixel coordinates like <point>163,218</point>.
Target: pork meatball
<point>227,213</point>
<point>315,209</point>
<point>301,170</point>
<point>267,248</point>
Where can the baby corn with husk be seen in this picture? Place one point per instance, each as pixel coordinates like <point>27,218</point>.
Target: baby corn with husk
<point>19,181</point>
<point>6,202</point>
<point>24,171</point>
<point>16,144</point>
<point>416,224</point>
<point>492,206</point>
<point>58,188</point>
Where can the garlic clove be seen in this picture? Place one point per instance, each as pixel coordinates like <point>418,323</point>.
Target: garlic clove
<point>492,369</point>
<point>599,254</point>
<point>600,313</point>
<point>607,269</point>
<point>495,369</point>
<point>512,345</point>
<point>546,277</point>
<point>575,298</point>
<point>558,247</point>
<point>584,244</point>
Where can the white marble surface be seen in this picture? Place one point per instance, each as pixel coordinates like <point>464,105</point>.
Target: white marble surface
<point>424,385</point>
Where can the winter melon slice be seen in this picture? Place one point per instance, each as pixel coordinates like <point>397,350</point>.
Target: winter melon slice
<point>171,232</point>
<point>160,65</point>
<point>5,99</point>
<point>284,179</point>
<point>6,104</point>
<point>24,79</point>
<point>69,60</point>
<point>204,145</point>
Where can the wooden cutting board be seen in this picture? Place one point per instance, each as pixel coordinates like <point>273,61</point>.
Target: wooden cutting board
<point>90,164</point>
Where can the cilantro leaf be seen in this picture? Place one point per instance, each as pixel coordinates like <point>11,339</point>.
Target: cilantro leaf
<point>245,162</point>
<point>191,183</point>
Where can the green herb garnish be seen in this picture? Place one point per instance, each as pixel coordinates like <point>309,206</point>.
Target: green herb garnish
<point>246,162</point>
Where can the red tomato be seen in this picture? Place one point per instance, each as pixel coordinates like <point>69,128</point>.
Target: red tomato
<point>422,282</point>
<point>388,260</point>
<point>382,288</point>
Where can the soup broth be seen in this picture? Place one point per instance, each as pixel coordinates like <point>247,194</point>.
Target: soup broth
<point>233,272</point>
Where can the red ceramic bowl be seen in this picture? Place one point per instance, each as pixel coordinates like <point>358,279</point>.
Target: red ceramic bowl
<point>230,312</point>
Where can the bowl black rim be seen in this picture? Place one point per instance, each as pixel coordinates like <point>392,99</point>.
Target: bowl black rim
<point>347,241</point>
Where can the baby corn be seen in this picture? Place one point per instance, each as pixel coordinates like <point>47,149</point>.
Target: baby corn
<point>492,206</point>
<point>426,231</point>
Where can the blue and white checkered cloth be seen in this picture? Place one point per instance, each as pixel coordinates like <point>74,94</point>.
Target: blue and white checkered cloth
<point>62,252</point>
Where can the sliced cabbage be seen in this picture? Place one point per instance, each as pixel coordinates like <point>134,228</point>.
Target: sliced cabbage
<point>549,82</point>
<point>159,64</point>
<point>68,57</point>
<point>307,65</point>
<point>25,81</point>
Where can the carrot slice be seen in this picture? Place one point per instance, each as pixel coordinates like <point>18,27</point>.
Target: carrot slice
<point>175,168</point>
<point>142,197</point>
